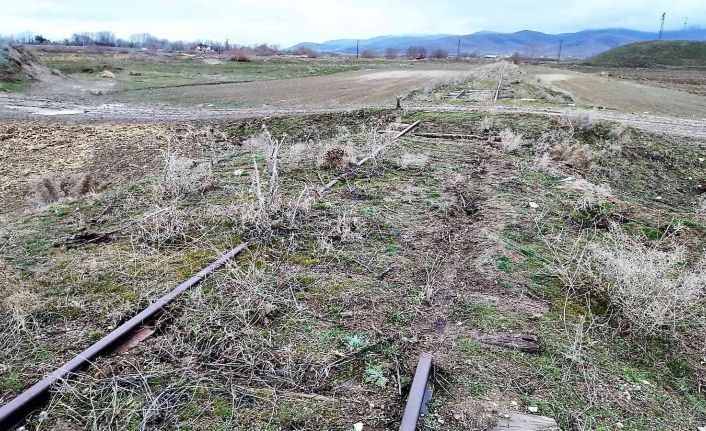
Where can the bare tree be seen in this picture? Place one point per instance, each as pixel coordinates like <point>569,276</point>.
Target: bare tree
<point>416,52</point>
<point>390,53</point>
<point>368,53</point>
<point>439,53</point>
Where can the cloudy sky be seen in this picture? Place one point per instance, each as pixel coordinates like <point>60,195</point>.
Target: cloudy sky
<point>288,22</point>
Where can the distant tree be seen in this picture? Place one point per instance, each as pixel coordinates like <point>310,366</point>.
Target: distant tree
<point>390,53</point>
<point>266,50</point>
<point>82,39</point>
<point>24,37</point>
<point>516,58</point>
<point>302,50</point>
<point>368,53</point>
<point>39,39</point>
<point>439,53</point>
<point>105,38</point>
<point>416,52</point>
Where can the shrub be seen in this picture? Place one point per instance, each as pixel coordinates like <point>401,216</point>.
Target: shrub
<point>368,53</point>
<point>653,289</point>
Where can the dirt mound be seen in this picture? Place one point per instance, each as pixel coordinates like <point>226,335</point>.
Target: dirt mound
<point>17,63</point>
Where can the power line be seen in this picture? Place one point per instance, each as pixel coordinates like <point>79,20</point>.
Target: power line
<point>661,27</point>
<point>685,20</point>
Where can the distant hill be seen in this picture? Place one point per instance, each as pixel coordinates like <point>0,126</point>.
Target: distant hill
<point>643,54</point>
<point>579,45</point>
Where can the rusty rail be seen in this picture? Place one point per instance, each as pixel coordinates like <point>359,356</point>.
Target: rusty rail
<point>17,409</point>
<point>419,394</point>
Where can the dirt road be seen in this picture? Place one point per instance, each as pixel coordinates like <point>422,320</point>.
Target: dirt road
<point>17,107</point>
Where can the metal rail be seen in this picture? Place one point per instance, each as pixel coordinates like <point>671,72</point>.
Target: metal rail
<point>419,394</point>
<point>497,90</point>
<point>17,409</point>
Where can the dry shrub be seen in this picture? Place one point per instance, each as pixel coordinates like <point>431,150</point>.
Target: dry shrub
<point>701,206</point>
<point>50,188</point>
<point>486,125</point>
<point>331,156</point>
<point>510,141</point>
<point>164,227</point>
<point>240,55</point>
<point>576,155</point>
<point>653,289</point>
<point>182,176</point>
<point>413,161</point>
<point>582,121</point>
<point>621,133</point>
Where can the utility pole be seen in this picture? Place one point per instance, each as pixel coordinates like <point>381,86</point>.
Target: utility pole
<point>661,26</point>
<point>685,20</point>
<point>458,50</point>
<point>357,46</point>
<point>561,45</point>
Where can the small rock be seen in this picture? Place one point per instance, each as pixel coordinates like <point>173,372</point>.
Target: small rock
<point>703,428</point>
<point>532,409</point>
<point>513,403</point>
<point>358,426</point>
<point>534,205</point>
<point>441,421</point>
<point>97,92</point>
<point>658,198</point>
<point>457,416</point>
<point>238,172</point>
<point>619,425</point>
<point>701,159</point>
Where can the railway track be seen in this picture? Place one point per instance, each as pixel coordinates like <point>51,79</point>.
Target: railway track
<point>14,412</point>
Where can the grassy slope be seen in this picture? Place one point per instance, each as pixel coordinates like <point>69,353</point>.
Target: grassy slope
<point>426,256</point>
<point>644,54</point>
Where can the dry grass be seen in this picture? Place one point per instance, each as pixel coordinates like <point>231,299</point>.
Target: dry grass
<point>701,206</point>
<point>51,188</point>
<point>413,161</point>
<point>653,289</point>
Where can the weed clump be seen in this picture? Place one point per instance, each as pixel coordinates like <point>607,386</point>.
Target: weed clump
<point>653,289</point>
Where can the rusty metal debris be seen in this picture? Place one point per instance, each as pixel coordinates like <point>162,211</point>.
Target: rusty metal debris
<point>17,409</point>
<point>419,394</point>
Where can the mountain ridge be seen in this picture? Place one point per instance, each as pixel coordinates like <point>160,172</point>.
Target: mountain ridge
<point>584,43</point>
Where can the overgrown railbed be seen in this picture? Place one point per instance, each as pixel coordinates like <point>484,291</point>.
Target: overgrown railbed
<point>428,248</point>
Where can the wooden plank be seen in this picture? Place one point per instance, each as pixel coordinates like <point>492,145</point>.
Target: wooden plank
<point>528,343</point>
<point>523,422</point>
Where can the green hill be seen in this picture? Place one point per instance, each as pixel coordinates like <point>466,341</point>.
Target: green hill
<point>644,54</point>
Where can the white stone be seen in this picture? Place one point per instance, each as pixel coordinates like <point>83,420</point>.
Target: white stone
<point>533,409</point>
<point>358,426</point>
<point>534,205</point>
